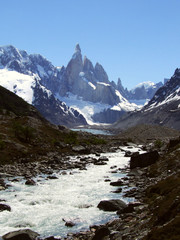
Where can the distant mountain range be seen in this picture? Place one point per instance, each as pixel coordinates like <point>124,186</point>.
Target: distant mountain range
<point>142,91</point>
<point>81,93</point>
<point>69,95</point>
<point>163,109</point>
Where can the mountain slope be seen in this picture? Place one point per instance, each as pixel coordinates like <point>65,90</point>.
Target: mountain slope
<point>25,136</point>
<point>163,109</point>
<point>26,74</point>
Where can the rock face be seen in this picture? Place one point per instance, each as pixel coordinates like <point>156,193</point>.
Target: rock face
<point>112,205</point>
<point>91,83</point>
<point>144,160</point>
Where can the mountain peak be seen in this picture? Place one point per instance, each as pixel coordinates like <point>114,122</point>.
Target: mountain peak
<point>77,48</point>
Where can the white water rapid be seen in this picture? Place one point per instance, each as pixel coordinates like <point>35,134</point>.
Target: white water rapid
<point>74,196</point>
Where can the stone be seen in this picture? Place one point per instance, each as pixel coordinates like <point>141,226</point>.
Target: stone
<point>69,223</point>
<point>52,238</point>
<point>103,158</point>
<point>119,190</point>
<point>115,236</point>
<point>144,160</point>
<point>4,207</point>
<point>112,205</point>
<point>117,183</point>
<point>25,234</point>
<point>101,233</point>
<point>80,149</point>
<point>30,182</point>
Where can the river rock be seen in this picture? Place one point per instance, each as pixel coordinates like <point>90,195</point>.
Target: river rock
<point>30,182</point>
<point>119,190</point>
<point>24,234</point>
<point>80,149</point>
<point>112,205</point>
<point>101,233</point>
<point>69,223</point>
<point>2,184</point>
<point>117,183</point>
<point>52,238</point>
<point>4,207</point>
<point>144,160</point>
<point>103,158</point>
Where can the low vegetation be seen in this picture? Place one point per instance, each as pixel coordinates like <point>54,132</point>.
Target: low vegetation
<point>24,133</point>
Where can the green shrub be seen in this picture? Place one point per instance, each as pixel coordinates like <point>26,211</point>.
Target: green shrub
<point>22,132</point>
<point>158,143</point>
<point>95,141</point>
<point>71,138</point>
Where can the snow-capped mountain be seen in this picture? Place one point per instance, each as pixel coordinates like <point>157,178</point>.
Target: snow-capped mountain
<point>80,85</point>
<point>88,89</point>
<point>170,92</point>
<point>141,93</point>
<point>24,75</point>
<point>144,90</point>
<point>162,109</point>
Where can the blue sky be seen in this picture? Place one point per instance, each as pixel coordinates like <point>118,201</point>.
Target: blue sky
<point>136,40</point>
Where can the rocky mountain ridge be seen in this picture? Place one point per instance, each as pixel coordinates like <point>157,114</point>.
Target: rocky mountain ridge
<point>87,83</point>
<point>142,91</point>
<point>163,109</point>
<point>26,76</point>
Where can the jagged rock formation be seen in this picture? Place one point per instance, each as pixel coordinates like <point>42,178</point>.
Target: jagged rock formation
<point>34,78</point>
<point>163,109</point>
<point>79,79</point>
<point>90,83</point>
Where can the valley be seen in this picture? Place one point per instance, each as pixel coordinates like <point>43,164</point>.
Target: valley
<point>61,175</point>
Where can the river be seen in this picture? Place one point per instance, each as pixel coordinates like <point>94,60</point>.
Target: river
<point>73,196</point>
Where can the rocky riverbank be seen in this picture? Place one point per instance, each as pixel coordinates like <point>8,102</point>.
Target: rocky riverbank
<point>153,215</point>
<point>156,214</point>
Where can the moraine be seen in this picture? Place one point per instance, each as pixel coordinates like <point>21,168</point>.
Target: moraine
<point>73,196</point>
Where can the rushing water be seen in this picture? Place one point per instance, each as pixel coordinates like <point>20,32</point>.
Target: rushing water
<point>42,207</point>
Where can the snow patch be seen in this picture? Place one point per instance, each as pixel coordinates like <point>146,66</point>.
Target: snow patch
<point>81,74</point>
<point>105,84</point>
<point>87,109</point>
<point>92,85</point>
<point>18,83</point>
<point>172,97</point>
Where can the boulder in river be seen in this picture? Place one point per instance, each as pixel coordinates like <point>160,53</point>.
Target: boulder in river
<point>112,205</point>
<point>30,182</point>
<point>4,207</point>
<point>69,223</point>
<point>24,234</point>
<point>144,160</point>
<point>117,183</point>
